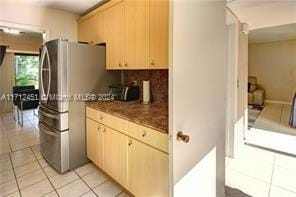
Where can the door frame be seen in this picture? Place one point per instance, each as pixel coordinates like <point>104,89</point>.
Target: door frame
<point>232,93</point>
<point>44,32</point>
<point>237,106</point>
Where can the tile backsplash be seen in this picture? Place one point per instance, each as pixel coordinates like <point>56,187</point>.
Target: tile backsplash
<point>159,82</point>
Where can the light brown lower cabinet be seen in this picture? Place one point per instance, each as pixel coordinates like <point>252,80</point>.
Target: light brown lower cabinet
<point>137,166</point>
<point>148,170</point>
<point>94,142</point>
<point>115,155</point>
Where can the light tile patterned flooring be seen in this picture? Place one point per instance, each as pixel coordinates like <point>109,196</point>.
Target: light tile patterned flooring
<point>23,171</point>
<point>262,173</point>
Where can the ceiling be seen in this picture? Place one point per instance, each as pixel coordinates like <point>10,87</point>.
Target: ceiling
<point>264,13</point>
<point>271,34</point>
<point>74,6</point>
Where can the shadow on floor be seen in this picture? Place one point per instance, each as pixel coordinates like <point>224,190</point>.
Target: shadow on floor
<point>232,192</point>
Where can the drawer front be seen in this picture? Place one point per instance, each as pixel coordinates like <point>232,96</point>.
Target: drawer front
<point>113,122</point>
<point>149,136</point>
<point>116,123</point>
<point>94,114</point>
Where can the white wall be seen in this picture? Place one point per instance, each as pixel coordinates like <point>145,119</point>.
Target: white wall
<point>6,81</point>
<point>274,65</point>
<point>58,23</point>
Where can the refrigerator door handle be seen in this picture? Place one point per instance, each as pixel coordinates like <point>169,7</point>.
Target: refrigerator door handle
<point>48,115</point>
<point>41,69</point>
<point>49,76</point>
<point>45,54</point>
<point>48,131</point>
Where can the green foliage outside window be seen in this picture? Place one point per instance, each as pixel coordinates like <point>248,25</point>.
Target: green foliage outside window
<point>26,70</point>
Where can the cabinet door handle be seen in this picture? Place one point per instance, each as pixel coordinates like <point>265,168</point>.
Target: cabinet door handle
<point>120,65</point>
<point>152,63</point>
<point>144,134</point>
<point>130,142</point>
<point>101,128</point>
<point>101,117</point>
<point>125,65</point>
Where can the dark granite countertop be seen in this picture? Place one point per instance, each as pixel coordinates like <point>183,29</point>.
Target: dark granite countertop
<point>153,115</point>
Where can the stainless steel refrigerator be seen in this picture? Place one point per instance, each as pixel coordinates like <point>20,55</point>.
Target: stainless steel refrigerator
<point>68,71</point>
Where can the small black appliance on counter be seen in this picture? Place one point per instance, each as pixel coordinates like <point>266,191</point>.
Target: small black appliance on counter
<point>125,93</point>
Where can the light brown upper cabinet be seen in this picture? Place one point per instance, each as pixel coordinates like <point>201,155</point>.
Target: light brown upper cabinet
<point>101,28</point>
<point>88,30</point>
<point>135,32</point>
<point>114,29</point>
<point>159,31</point>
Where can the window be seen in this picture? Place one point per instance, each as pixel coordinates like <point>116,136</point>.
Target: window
<point>26,70</point>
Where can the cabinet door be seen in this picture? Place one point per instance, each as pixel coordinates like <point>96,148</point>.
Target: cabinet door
<point>88,30</point>
<point>114,27</point>
<point>101,22</point>
<point>136,34</point>
<point>115,155</point>
<point>159,33</point>
<point>148,170</point>
<point>94,142</point>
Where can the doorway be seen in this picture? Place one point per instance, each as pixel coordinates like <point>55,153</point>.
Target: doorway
<point>272,82</point>
<point>263,165</point>
<point>20,64</point>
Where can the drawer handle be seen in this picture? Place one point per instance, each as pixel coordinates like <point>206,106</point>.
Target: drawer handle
<point>101,117</point>
<point>130,142</point>
<point>125,65</point>
<point>152,63</point>
<point>99,128</point>
<point>120,65</point>
<point>144,134</point>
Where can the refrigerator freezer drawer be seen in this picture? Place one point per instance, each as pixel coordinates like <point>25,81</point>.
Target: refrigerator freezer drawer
<point>54,119</point>
<point>54,147</point>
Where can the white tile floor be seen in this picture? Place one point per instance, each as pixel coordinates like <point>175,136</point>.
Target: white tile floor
<point>262,173</point>
<point>271,129</point>
<point>24,172</point>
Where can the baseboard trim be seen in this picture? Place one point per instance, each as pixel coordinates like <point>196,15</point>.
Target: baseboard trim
<point>278,102</point>
<point>270,149</point>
